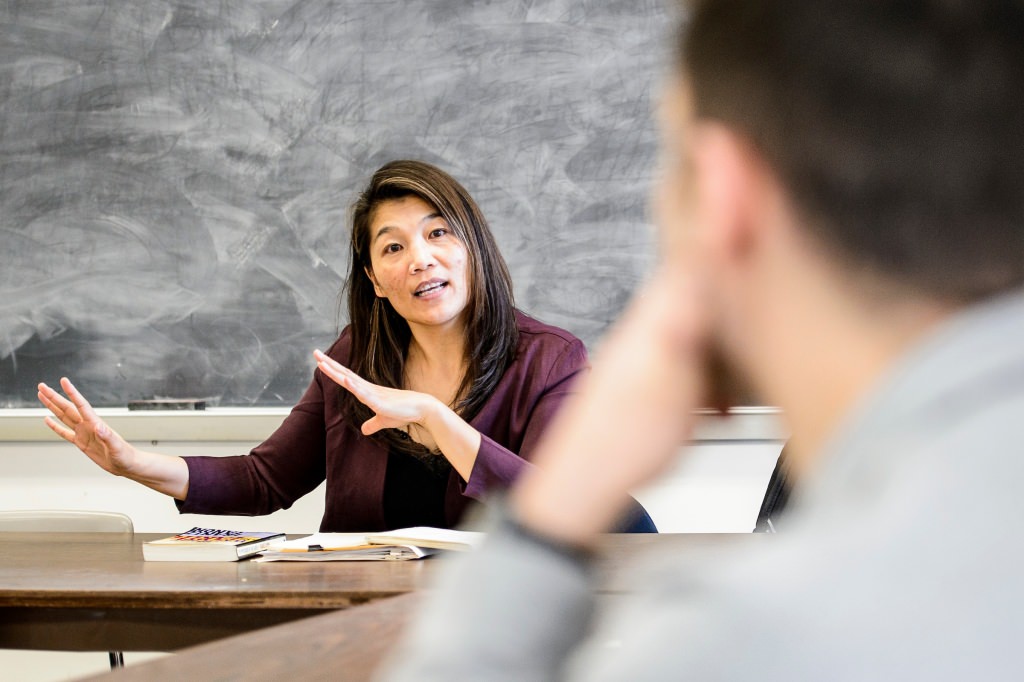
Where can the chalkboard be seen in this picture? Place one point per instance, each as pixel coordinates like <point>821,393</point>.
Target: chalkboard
<point>175,176</point>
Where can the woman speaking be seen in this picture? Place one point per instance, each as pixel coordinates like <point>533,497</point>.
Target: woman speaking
<point>434,394</point>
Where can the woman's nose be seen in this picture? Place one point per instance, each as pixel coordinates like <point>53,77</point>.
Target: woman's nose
<point>421,257</point>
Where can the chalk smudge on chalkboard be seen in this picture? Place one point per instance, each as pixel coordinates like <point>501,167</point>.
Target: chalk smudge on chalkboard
<point>175,176</point>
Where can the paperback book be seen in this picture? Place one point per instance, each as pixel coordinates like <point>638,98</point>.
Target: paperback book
<point>208,544</point>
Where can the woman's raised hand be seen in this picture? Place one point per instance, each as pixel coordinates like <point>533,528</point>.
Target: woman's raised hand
<point>393,407</point>
<point>75,421</point>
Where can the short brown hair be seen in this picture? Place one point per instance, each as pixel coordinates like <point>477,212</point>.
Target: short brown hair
<point>897,127</point>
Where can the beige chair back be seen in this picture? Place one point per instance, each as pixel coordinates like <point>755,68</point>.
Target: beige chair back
<point>69,521</point>
<point>65,521</point>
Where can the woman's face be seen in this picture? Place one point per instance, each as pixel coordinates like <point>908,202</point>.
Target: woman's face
<point>418,263</point>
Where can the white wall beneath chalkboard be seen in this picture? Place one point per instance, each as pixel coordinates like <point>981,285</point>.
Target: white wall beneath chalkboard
<point>715,487</point>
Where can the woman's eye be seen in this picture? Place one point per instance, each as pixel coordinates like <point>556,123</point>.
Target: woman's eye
<point>392,248</point>
<point>438,232</point>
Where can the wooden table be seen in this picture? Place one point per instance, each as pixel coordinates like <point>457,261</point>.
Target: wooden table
<point>94,592</point>
<point>342,645</point>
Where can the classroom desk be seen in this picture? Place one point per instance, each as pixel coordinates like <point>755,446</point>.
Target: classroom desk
<point>342,645</point>
<point>351,644</point>
<point>86,591</point>
<point>94,592</point>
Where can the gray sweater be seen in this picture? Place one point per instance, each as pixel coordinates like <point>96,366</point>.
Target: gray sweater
<point>902,557</point>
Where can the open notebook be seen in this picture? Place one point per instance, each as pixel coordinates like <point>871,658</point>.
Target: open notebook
<point>401,544</point>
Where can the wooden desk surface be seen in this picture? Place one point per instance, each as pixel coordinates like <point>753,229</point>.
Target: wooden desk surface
<point>351,644</point>
<point>94,592</point>
<point>342,645</point>
<point>97,570</point>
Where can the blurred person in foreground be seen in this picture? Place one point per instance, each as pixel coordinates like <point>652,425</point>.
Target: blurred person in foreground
<point>843,220</point>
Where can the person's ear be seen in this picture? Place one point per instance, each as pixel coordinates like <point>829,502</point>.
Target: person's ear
<point>727,181</point>
<point>376,287</point>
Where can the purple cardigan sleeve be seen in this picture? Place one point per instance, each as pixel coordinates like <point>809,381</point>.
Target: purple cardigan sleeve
<point>497,467</point>
<point>286,466</point>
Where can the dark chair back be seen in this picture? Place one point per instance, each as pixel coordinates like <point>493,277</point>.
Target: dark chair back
<point>636,520</point>
<point>776,496</point>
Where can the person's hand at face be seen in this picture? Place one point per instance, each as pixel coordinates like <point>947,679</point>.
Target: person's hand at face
<point>75,421</point>
<point>628,420</point>
<point>635,410</point>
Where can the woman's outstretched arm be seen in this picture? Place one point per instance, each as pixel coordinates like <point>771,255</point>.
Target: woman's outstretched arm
<point>74,420</point>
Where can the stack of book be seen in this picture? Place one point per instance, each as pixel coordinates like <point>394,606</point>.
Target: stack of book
<point>210,544</point>
<point>401,544</point>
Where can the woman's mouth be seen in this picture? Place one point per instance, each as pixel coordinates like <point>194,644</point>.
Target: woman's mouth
<point>428,288</point>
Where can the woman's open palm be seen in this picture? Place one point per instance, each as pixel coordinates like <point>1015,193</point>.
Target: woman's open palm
<point>392,407</point>
<point>75,421</point>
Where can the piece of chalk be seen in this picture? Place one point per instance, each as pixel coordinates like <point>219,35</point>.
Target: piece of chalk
<point>167,404</point>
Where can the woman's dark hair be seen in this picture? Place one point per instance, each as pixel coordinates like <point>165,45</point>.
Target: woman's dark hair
<point>380,336</point>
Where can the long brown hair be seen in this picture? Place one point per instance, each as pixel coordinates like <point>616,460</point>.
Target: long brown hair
<point>380,336</point>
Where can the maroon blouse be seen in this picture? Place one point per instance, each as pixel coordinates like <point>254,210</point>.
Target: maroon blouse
<point>315,442</point>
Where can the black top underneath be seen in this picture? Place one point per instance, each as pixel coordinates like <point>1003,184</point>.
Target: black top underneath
<point>414,495</point>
